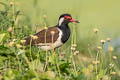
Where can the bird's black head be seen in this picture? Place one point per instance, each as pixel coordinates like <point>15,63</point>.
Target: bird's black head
<point>65,19</point>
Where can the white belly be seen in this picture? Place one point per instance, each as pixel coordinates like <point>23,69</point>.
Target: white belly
<point>51,46</point>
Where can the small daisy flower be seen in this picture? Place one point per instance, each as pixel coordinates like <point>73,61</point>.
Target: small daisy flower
<point>114,57</point>
<point>76,52</point>
<point>19,46</point>
<point>110,49</point>
<point>108,39</point>
<point>95,30</point>
<point>14,40</point>
<point>103,41</point>
<point>11,3</point>
<point>23,41</point>
<point>11,44</point>
<point>44,16</point>
<point>113,73</point>
<point>34,37</point>
<point>99,48</point>
<point>95,62</point>
<point>74,45</point>
<point>111,65</point>
<point>89,45</point>
<point>45,27</point>
<point>52,32</point>
<point>73,48</point>
<point>40,44</point>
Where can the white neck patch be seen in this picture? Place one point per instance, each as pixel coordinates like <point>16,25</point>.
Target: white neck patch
<point>60,21</point>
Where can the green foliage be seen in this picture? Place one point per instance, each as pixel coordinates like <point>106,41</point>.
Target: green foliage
<point>1,37</point>
<point>19,62</point>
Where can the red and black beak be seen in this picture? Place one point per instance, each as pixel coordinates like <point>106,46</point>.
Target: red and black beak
<point>75,21</point>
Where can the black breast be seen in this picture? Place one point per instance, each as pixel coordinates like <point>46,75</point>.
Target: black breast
<point>66,32</point>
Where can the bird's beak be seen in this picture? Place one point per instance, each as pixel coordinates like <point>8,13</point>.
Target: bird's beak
<point>75,21</point>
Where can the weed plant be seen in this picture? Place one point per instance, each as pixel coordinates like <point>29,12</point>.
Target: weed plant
<point>86,60</point>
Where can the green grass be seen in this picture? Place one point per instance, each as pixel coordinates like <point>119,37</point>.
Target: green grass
<point>83,57</point>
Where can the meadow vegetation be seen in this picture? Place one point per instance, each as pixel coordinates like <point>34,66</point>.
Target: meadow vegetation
<point>86,56</point>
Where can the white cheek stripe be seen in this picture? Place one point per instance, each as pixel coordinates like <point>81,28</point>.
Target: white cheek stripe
<point>61,20</point>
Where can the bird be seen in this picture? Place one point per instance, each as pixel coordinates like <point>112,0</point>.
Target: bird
<point>52,37</point>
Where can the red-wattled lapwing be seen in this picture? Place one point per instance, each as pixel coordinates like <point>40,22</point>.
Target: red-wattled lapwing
<point>52,37</point>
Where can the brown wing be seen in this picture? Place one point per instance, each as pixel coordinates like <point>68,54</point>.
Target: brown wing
<point>43,36</point>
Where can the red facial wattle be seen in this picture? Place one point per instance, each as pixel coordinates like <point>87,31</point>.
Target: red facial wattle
<point>71,20</point>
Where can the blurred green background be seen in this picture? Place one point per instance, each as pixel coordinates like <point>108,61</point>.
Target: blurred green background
<point>26,17</point>
<point>101,14</point>
<point>104,14</point>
